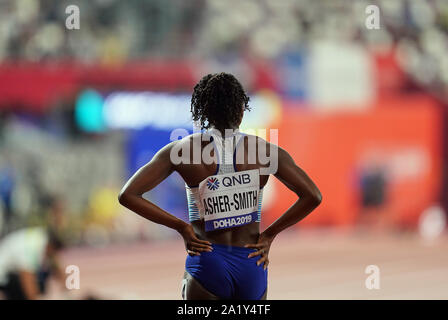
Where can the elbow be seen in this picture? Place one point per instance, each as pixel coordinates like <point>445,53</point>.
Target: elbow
<point>126,197</point>
<point>122,198</point>
<point>316,198</point>
<point>312,198</point>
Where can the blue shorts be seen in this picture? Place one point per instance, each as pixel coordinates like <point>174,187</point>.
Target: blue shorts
<point>228,273</point>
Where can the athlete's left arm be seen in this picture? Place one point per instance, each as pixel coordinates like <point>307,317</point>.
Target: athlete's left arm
<point>147,178</point>
<point>144,180</point>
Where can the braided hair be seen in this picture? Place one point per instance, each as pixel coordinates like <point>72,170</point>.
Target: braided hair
<point>219,100</point>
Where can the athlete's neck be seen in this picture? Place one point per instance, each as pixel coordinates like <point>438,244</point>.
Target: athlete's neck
<point>225,132</point>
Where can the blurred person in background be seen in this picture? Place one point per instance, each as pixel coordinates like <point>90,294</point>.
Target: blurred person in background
<point>373,185</point>
<point>28,257</point>
<point>7,184</point>
<point>54,216</point>
<point>227,254</point>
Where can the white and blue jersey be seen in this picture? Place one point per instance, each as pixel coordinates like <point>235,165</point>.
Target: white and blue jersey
<point>229,198</point>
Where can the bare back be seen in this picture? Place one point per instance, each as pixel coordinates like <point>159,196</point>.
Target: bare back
<point>193,174</point>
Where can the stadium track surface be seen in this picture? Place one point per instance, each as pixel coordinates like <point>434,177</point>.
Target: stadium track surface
<point>308,265</point>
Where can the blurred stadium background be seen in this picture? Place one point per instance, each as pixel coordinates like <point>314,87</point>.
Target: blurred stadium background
<point>363,111</point>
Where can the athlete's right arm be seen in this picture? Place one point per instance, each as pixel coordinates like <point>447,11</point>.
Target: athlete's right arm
<point>147,178</point>
<point>297,181</point>
<point>309,198</point>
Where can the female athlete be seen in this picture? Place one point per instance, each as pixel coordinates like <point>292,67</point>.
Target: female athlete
<point>227,255</point>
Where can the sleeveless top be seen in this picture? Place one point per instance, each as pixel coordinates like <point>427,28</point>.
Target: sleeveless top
<point>229,198</point>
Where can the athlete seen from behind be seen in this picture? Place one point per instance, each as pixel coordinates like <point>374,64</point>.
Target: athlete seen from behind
<point>227,254</point>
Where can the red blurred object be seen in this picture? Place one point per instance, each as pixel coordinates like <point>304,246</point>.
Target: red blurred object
<point>389,77</point>
<point>37,86</point>
<point>333,148</point>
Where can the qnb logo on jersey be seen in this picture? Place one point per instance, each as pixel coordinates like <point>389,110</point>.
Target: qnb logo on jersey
<point>236,180</point>
<point>212,183</point>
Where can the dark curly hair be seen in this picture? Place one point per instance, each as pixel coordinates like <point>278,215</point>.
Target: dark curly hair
<point>219,100</point>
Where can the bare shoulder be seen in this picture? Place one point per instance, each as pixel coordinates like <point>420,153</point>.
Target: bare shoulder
<point>187,142</point>
<point>183,150</point>
<point>166,150</point>
<point>259,145</point>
